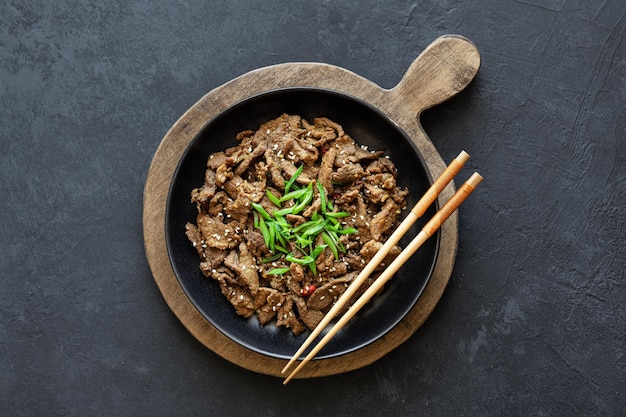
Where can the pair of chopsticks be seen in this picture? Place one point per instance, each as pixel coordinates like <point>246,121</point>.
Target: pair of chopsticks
<point>428,230</point>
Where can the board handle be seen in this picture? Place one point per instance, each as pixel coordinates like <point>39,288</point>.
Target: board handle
<point>444,69</point>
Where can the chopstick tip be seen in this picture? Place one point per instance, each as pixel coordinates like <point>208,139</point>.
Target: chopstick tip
<point>475,179</point>
<point>463,157</point>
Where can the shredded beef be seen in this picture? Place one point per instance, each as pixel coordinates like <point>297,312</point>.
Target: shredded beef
<point>233,252</point>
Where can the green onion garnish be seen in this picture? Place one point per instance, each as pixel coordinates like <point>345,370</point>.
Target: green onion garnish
<point>278,271</point>
<point>272,198</point>
<point>279,234</point>
<point>293,178</point>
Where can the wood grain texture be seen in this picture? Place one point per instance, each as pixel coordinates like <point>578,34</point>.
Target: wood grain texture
<point>441,71</point>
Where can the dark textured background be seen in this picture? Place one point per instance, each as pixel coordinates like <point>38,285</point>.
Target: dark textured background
<point>533,321</point>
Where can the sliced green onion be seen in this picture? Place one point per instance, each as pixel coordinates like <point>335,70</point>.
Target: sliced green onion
<point>279,234</point>
<point>306,199</point>
<point>281,239</point>
<point>283,212</point>
<point>282,249</point>
<point>318,250</point>
<point>302,261</point>
<point>272,236</point>
<point>302,241</point>
<point>307,225</point>
<point>293,195</point>
<point>278,271</point>
<point>264,232</point>
<point>338,214</point>
<point>271,258</point>
<point>331,244</point>
<point>293,178</point>
<point>320,188</point>
<point>259,208</point>
<point>272,198</point>
<point>313,231</point>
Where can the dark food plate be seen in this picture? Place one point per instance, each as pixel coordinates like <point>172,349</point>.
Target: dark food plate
<point>367,126</point>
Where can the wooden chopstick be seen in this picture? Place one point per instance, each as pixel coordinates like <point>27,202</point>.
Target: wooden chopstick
<point>427,231</point>
<point>416,212</point>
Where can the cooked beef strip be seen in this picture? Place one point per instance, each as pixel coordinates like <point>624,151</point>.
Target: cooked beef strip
<point>222,174</point>
<point>372,247</point>
<point>348,195</point>
<point>309,316</point>
<point>384,219</point>
<point>289,169</point>
<point>295,219</point>
<point>325,174</point>
<point>267,310</point>
<point>348,173</point>
<point>324,296</point>
<point>216,234</point>
<point>239,297</point>
<point>381,165</point>
<point>218,159</point>
<point>202,195</point>
<point>244,265</point>
<point>256,243</point>
<point>297,272</point>
<point>222,273</point>
<point>249,159</point>
<point>288,318</point>
<point>384,180</point>
<point>375,193</point>
<point>274,168</point>
<point>303,152</point>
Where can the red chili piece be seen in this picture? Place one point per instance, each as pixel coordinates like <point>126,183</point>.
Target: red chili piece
<point>307,290</point>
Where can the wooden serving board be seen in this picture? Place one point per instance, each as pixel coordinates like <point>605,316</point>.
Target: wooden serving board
<point>441,71</point>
